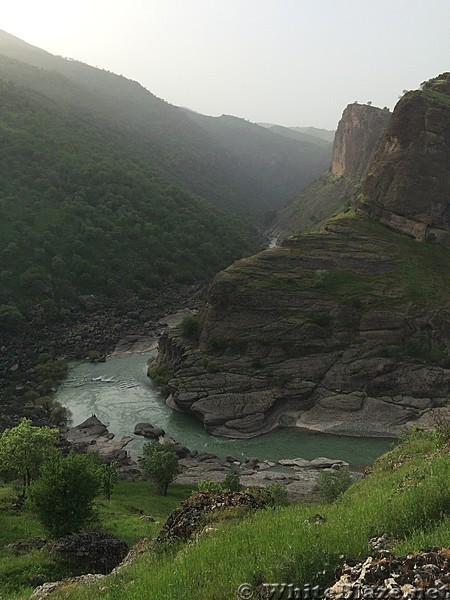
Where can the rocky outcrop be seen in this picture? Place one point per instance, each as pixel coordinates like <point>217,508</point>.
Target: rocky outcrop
<point>407,186</point>
<point>346,331</point>
<point>357,135</point>
<point>93,436</point>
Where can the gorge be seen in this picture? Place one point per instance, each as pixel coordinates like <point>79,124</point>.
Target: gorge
<point>345,330</point>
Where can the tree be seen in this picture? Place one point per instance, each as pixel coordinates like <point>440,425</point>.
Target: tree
<point>160,462</point>
<point>108,478</point>
<point>331,484</point>
<point>24,448</point>
<point>63,496</point>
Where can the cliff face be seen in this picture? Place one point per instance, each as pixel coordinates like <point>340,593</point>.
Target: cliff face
<point>407,186</point>
<point>357,135</point>
<point>346,330</point>
<point>358,132</point>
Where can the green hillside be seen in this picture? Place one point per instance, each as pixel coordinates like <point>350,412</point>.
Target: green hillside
<point>163,135</point>
<point>279,161</point>
<point>82,214</point>
<point>404,498</point>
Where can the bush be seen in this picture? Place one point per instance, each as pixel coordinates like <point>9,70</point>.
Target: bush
<point>189,327</point>
<point>232,483</point>
<point>11,319</point>
<point>108,478</point>
<point>331,484</point>
<point>282,378</point>
<point>213,487</point>
<point>277,493</point>
<point>217,344</point>
<point>63,496</point>
<point>161,374</point>
<point>160,462</point>
<point>321,319</point>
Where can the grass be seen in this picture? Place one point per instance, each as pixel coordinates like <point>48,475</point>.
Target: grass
<point>407,496</point>
<point>20,573</point>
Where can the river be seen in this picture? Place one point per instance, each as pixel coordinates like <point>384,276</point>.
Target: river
<point>121,395</point>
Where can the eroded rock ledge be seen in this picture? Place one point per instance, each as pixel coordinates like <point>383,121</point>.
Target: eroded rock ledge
<point>346,331</point>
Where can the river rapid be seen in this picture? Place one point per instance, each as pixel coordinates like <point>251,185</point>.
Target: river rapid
<point>119,392</point>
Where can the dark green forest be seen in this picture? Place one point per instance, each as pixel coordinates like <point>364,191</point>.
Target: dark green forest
<point>106,189</point>
<point>80,215</point>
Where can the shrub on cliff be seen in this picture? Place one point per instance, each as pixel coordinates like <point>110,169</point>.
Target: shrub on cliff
<point>189,327</point>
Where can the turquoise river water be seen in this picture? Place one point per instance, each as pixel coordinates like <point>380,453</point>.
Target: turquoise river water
<point>121,395</point>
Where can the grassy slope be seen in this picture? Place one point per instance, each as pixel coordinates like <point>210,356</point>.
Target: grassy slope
<point>420,275</point>
<point>20,573</point>
<point>406,496</point>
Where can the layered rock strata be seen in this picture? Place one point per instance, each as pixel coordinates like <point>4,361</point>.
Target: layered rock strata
<point>407,186</point>
<point>346,331</point>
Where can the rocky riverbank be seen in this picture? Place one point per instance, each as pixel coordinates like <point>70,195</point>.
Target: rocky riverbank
<point>297,474</point>
<point>95,328</point>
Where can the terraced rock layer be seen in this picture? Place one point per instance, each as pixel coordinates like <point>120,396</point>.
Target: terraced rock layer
<point>345,331</point>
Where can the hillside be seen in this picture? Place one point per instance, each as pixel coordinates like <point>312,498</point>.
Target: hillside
<point>401,507</point>
<point>158,133</point>
<point>80,215</point>
<point>344,330</point>
<point>280,164</point>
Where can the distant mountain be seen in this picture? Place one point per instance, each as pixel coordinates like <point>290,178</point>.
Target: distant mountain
<point>323,134</point>
<point>202,158</point>
<point>312,134</point>
<point>278,164</point>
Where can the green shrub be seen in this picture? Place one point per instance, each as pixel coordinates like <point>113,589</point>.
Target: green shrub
<point>321,319</point>
<point>257,363</point>
<point>278,495</point>
<point>282,378</point>
<point>189,327</point>
<point>161,374</point>
<point>232,483</point>
<point>216,344</point>
<point>213,487</point>
<point>331,484</point>
<point>320,276</point>
<point>63,496</point>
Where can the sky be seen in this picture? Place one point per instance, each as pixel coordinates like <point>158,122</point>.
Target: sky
<point>289,62</point>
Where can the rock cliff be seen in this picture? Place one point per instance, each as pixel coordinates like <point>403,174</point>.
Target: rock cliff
<point>346,330</point>
<point>357,135</point>
<point>407,186</point>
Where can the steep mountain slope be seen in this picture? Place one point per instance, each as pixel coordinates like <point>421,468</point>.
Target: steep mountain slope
<point>346,330</point>
<point>163,135</point>
<point>357,135</point>
<point>278,164</point>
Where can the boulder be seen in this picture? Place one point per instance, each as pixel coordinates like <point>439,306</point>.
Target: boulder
<point>148,431</point>
<point>92,550</point>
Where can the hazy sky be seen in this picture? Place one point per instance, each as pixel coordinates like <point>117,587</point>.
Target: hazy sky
<point>292,62</point>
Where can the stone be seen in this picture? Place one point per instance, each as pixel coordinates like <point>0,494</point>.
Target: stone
<point>148,430</point>
<point>99,552</point>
